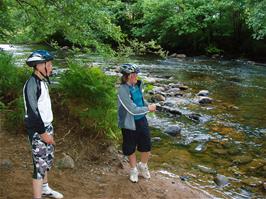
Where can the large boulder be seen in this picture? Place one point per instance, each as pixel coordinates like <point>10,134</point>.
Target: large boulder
<point>173,130</point>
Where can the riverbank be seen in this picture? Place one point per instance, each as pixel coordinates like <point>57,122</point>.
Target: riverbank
<point>99,171</point>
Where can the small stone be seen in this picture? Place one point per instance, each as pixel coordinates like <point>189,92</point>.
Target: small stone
<point>220,151</point>
<point>206,169</point>
<point>173,130</point>
<point>183,87</point>
<point>6,164</point>
<point>205,100</point>
<point>66,162</point>
<point>156,139</point>
<point>158,97</point>
<point>221,180</point>
<point>252,181</point>
<point>242,159</point>
<point>203,93</point>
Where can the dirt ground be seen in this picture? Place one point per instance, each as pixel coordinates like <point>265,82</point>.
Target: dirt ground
<point>99,172</point>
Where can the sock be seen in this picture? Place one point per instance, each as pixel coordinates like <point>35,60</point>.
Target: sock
<point>45,187</point>
<point>143,164</point>
<point>134,169</point>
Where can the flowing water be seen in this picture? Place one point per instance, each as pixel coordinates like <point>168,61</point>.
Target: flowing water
<point>229,139</point>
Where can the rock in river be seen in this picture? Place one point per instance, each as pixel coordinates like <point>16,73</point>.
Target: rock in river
<point>173,130</point>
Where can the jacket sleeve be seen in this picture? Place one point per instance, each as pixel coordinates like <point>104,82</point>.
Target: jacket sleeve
<point>33,117</point>
<point>126,101</point>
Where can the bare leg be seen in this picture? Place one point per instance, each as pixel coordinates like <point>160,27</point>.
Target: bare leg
<point>45,180</point>
<point>37,188</point>
<point>145,157</point>
<point>132,160</point>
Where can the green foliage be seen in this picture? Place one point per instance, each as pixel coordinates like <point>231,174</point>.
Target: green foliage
<point>256,18</point>
<point>11,85</point>
<point>90,95</point>
<point>12,78</point>
<point>148,87</point>
<point>15,114</point>
<point>83,23</point>
<point>211,49</point>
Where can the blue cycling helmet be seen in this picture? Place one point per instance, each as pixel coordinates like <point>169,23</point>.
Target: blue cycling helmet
<point>129,68</point>
<point>39,56</point>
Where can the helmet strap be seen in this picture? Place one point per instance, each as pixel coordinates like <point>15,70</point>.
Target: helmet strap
<point>46,76</point>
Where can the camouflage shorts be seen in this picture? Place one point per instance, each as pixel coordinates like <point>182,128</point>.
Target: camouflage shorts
<point>42,153</point>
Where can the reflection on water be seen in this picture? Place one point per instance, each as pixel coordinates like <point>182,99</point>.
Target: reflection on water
<point>230,136</point>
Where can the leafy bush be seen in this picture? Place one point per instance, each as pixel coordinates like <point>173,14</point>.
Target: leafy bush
<point>12,78</point>
<point>15,114</point>
<point>11,85</point>
<point>211,49</point>
<point>90,96</point>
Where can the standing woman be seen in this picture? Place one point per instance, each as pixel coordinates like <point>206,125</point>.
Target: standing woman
<point>132,109</point>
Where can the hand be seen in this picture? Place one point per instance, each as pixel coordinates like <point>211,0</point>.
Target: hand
<point>152,107</point>
<point>47,138</point>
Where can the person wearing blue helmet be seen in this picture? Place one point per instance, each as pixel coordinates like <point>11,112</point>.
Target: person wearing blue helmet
<point>38,121</point>
<point>132,109</point>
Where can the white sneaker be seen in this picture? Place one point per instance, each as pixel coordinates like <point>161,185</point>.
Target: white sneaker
<point>133,175</point>
<point>48,192</point>
<point>143,170</point>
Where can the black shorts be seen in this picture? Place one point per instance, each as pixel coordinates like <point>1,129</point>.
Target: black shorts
<point>140,138</point>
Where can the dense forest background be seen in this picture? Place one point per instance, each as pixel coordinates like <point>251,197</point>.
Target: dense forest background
<point>225,27</point>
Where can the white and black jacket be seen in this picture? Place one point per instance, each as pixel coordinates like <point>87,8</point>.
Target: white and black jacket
<point>38,109</point>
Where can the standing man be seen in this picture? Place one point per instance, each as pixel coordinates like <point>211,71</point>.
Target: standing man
<point>132,109</point>
<point>38,121</point>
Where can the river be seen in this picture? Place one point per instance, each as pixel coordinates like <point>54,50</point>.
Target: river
<point>228,135</point>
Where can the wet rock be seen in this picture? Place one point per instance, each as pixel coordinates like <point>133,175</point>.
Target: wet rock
<point>205,100</point>
<point>219,151</point>
<point>156,139</point>
<point>206,169</point>
<point>158,89</point>
<point>221,180</point>
<point>201,147</point>
<point>169,103</point>
<point>6,164</point>
<point>173,90</point>
<point>255,164</point>
<point>183,87</point>
<point>174,111</point>
<point>236,171</point>
<point>242,159</point>
<point>158,98</point>
<point>194,116</point>
<point>184,178</point>
<point>264,168</point>
<point>174,55</point>
<point>169,110</point>
<point>203,93</point>
<point>252,181</point>
<point>234,151</point>
<point>180,56</point>
<point>173,130</point>
<point>66,162</point>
